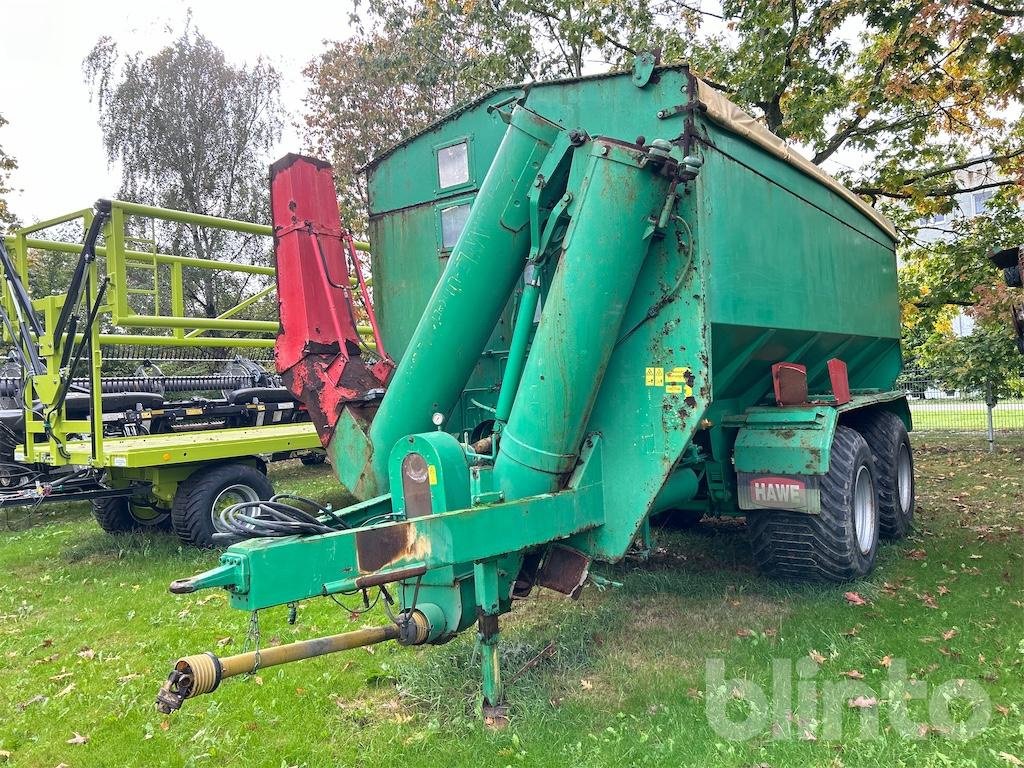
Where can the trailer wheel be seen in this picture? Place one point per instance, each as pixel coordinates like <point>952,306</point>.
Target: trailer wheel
<point>209,491</point>
<point>839,543</point>
<point>119,515</point>
<point>889,442</point>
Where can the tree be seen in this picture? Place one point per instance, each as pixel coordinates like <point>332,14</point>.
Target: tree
<point>941,278</point>
<point>412,62</point>
<point>7,165</point>
<point>191,131</point>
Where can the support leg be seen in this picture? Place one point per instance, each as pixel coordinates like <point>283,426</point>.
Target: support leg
<point>485,576</point>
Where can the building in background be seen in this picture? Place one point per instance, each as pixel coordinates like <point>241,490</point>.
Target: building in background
<point>967,205</point>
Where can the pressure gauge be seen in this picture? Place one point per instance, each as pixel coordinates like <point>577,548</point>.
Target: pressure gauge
<point>438,419</point>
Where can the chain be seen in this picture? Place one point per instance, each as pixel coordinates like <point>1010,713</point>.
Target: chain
<point>252,638</point>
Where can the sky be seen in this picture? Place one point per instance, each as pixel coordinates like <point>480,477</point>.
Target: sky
<point>52,130</point>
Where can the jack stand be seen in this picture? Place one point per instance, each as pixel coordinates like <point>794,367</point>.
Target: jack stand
<point>495,712</point>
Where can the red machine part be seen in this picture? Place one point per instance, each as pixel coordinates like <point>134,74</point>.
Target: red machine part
<point>319,353</point>
<point>790,383</point>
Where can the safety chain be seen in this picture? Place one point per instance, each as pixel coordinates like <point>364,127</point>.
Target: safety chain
<point>252,638</point>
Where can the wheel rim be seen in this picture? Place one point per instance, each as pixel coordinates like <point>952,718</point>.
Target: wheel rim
<point>864,517</point>
<point>904,477</point>
<point>148,517</point>
<point>231,495</point>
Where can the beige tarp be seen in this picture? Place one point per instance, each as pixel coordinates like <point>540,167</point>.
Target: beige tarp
<point>727,114</point>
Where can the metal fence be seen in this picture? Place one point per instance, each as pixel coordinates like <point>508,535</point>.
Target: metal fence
<point>934,408</point>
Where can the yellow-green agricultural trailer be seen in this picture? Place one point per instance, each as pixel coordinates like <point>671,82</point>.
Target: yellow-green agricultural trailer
<point>608,297</point>
<point>190,429</point>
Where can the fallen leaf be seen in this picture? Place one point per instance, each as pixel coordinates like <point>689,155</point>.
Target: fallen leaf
<point>65,691</point>
<point>37,699</point>
<point>224,641</point>
<point>854,674</point>
<point>257,679</point>
<point>854,598</point>
<point>61,676</point>
<point>917,554</point>
<point>694,693</point>
<point>928,600</point>
<point>87,653</point>
<point>886,661</point>
<point>808,736</point>
<point>943,589</point>
<point>1011,759</point>
<point>817,657</point>
<point>586,685</point>
<point>949,634</point>
<point>744,632</point>
<point>78,739</point>
<point>369,649</point>
<point>47,643</point>
<point>862,702</point>
<point>852,632</point>
<point>4,754</point>
<point>126,678</point>
<point>1004,711</point>
<point>771,632</point>
<point>165,725</point>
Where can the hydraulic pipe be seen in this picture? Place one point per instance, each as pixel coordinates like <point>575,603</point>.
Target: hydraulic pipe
<point>202,673</point>
<point>463,310</point>
<point>623,192</point>
<point>520,339</point>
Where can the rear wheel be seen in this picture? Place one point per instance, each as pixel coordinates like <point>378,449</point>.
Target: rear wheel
<point>889,442</point>
<point>119,515</point>
<point>207,492</point>
<point>841,541</point>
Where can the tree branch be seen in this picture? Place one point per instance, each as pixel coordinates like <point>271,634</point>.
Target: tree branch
<point>1007,12</point>
<point>947,191</point>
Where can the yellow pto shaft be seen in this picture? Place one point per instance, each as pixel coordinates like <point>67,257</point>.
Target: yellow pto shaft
<point>202,673</point>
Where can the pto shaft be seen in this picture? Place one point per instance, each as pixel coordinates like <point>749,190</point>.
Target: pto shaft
<point>202,673</point>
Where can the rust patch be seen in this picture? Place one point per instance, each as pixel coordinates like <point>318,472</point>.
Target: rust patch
<point>564,570</point>
<point>379,547</point>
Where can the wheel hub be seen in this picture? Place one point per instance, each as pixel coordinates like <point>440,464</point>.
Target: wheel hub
<point>865,517</point>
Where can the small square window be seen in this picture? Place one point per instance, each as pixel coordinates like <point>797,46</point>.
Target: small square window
<point>453,221</point>
<point>981,201</point>
<point>453,165</point>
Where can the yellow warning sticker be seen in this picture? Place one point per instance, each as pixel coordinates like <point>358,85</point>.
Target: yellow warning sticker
<point>675,380</point>
<point>432,474</point>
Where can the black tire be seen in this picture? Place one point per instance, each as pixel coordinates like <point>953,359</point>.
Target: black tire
<point>119,515</point>
<point>889,442</point>
<point>313,458</point>
<point>824,547</point>
<point>193,509</point>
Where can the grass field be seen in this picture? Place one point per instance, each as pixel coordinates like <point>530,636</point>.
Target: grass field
<point>88,632</point>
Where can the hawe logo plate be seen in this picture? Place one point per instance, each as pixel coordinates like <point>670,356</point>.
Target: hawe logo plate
<point>798,493</point>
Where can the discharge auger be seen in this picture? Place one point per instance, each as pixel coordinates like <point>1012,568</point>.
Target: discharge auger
<point>607,298</point>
